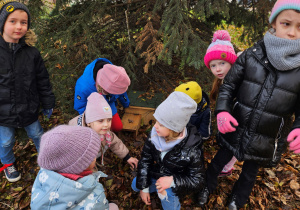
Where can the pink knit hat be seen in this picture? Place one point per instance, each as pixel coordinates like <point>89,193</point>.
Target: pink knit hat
<point>281,5</point>
<point>97,108</point>
<point>68,149</point>
<point>220,48</point>
<point>113,79</point>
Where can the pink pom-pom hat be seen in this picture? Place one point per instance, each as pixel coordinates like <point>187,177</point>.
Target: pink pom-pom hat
<point>220,48</point>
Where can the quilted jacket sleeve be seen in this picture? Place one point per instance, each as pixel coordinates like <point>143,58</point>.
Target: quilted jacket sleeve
<point>44,87</point>
<point>143,177</point>
<point>231,85</point>
<point>124,100</point>
<point>118,147</point>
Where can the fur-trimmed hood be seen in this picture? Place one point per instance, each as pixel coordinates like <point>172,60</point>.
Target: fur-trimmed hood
<point>30,38</point>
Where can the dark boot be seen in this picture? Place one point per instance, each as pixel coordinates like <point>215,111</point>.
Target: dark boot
<point>201,198</point>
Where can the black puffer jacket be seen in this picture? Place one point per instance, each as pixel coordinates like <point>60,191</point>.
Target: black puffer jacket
<point>184,162</point>
<point>24,84</point>
<point>264,99</point>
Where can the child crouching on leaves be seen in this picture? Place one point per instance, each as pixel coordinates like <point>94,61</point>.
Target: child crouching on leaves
<point>171,162</point>
<point>98,116</point>
<point>67,157</point>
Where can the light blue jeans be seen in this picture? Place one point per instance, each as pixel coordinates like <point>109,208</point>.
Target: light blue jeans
<point>7,140</point>
<point>170,202</point>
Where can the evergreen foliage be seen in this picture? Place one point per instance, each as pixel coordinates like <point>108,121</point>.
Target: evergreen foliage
<point>144,37</point>
<point>180,37</point>
<point>253,15</point>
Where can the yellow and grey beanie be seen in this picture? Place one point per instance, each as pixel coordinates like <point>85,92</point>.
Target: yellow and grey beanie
<point>9,6</point>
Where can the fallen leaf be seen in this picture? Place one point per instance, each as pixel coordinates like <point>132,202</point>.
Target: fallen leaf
<point>126,196</point>
<point>219,200</point>
<point>271,173</point>
<point>18,189</point>
<point>294,185</point>
<point>283,200</point>
<point>270,186</point>
<point>290,168</point>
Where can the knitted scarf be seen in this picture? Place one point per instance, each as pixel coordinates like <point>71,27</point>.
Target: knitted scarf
<point>160,142</point>
<point>284,54</point>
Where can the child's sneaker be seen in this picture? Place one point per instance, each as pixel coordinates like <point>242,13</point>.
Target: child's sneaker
<point>11,173</point>
<point>227,173</point>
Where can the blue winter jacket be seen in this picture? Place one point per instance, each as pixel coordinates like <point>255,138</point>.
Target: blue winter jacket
<point>86,85</point>
<point>202,117</point>
<point>53,191</point>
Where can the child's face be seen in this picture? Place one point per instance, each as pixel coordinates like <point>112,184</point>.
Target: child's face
<point>101,90</point>
<point>101,126</point>
<point>219,68</point>
<point>287,25</point>
<point>15,26</point>
<point>161,130</point>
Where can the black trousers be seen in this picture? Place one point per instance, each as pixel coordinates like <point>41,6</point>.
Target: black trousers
<point>243,186</point>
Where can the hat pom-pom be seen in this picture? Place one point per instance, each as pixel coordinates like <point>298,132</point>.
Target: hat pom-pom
<point>221,35</point>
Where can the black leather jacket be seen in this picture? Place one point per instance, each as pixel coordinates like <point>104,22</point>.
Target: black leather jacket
<point>264,99</point>
<point>24,84</point>
<point>184,162</point>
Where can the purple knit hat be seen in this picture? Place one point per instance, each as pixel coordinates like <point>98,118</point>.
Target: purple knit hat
<point>281,5</point>
<point>113,79</point>
<point>220,48</point>
<point>68,149</point>
<point>97,108</point>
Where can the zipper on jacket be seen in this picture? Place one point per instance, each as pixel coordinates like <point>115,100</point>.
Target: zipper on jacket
<point>277,138</point>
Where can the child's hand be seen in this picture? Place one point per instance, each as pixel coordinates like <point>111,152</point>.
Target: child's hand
<point>163,183</point>
<point>294,139</point>
<point>224,120</point>
<point>133,162</point>
<point>145,197</point>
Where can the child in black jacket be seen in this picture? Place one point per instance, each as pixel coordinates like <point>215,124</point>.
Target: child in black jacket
<point>256,100</point>
<point>24,83</point>
<point>171,163</point>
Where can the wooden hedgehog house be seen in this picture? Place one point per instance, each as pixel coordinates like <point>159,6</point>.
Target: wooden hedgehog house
<point>141,110</point>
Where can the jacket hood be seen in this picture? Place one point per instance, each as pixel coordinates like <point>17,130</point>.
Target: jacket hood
<point>30,38</point>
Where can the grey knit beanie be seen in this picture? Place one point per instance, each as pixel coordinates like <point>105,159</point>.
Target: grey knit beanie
<point>68,149</point>
<point>9,6</point>
<point>175,112</point>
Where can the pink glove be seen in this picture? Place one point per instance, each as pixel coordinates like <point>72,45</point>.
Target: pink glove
<point>224,120</point>
<point>294,139</point>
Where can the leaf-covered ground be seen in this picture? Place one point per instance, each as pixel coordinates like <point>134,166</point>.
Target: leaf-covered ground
<point>276,188</point>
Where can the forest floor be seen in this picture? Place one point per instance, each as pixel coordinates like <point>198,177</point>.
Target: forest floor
<point>275,188</point>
